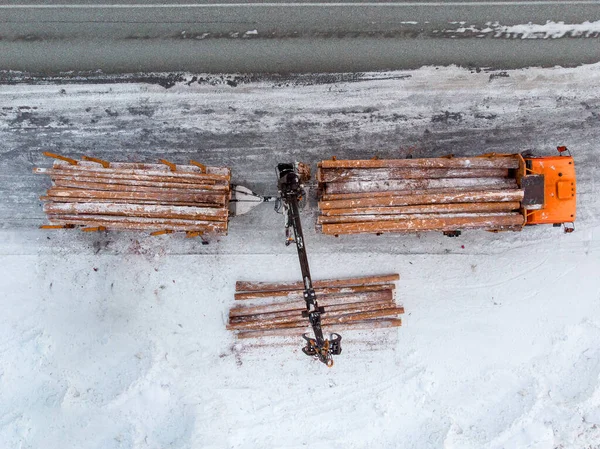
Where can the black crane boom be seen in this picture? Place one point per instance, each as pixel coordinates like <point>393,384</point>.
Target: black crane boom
<point>291,191</point>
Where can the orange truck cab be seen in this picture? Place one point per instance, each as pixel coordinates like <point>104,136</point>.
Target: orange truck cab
<point>550,189</point>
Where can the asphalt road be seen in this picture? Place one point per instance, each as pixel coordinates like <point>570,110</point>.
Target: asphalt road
<point>119,36</point>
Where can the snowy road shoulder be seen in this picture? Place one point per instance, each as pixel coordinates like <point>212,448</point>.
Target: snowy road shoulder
<point>119,340</point>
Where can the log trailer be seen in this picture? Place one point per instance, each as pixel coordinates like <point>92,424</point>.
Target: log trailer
<point>97,195</point>
<point>495,192</point>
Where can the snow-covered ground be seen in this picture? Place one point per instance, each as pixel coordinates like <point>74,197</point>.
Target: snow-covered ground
<point>119,340</point>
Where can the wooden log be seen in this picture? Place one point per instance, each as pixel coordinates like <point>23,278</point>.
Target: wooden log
<point>213,227</point>
<point>184,168</point>
<point>360,316</point>
<point>384,174</point>
<point>359,195</point>
<point>138,180</point>
<point>192,189</point>
<point>183,172</point>
<point>126,179</point>
<point>436,198</point>
<point>427,208</point>
<point>161,223</point>
<point>216,198</point>
<point>326,301</point>
<point>296,314</point>
<point>150,202</point>
<point>150,182</point>
<point>513,221</point>
<point>420,184</point>
<point>385,323</point>
<point>327,318</point>
<point>166,175</point>
<point>342,319</point>
<point>248,286</point>
<point>287,294</point>
<point>509,161</point>
<point>400,217</point>
<point>141,180</point>
<point>138,210</point>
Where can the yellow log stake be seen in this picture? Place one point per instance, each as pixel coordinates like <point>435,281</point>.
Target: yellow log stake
<point>161,232</point>
<point>102,162</point>
<point>171,165</point>
<point>202,167</point>
<point>66,226</point>
<point>61,158</point>
<point>94,229</point>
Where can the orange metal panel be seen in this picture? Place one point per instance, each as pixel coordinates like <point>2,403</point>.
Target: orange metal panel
<point>560,189</point>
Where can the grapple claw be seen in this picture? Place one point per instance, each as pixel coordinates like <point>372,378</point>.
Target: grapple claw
<point>311,346</point>
<point>325,352</point>
<point>336,344</point>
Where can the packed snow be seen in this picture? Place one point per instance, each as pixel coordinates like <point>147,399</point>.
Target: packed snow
<point>118,340</point>
<point>548,30</point>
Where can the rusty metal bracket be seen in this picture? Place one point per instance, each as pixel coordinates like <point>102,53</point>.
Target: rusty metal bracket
<point>569,227</point>
<point>563,149</point>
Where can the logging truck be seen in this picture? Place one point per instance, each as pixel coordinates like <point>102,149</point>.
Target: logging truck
<point>495,192</point>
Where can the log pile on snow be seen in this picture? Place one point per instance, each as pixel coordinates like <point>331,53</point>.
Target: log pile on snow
<point>275,309</point>
<point>412,195</point>
<point>158,198</point>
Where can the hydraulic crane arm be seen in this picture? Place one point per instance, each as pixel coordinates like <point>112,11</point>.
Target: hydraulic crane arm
<point>291,191</point>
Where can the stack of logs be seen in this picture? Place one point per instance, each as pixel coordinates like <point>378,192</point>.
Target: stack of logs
<point>412,195</point>
<point>275,309</point>
<point>159,198</point>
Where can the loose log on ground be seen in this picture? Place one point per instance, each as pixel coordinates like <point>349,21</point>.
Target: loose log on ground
<point>326,301</point>
<point>296,314</point>
<point>386,323</point>
<point>383,174</point>
<point>512,221</point>
<point>422,184</point>
<point>327,318</point>
<point>500,161</point>
<point>319,291</point>
<point>247,286</point>
<point>436,198</point>
<point>137,210</point>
